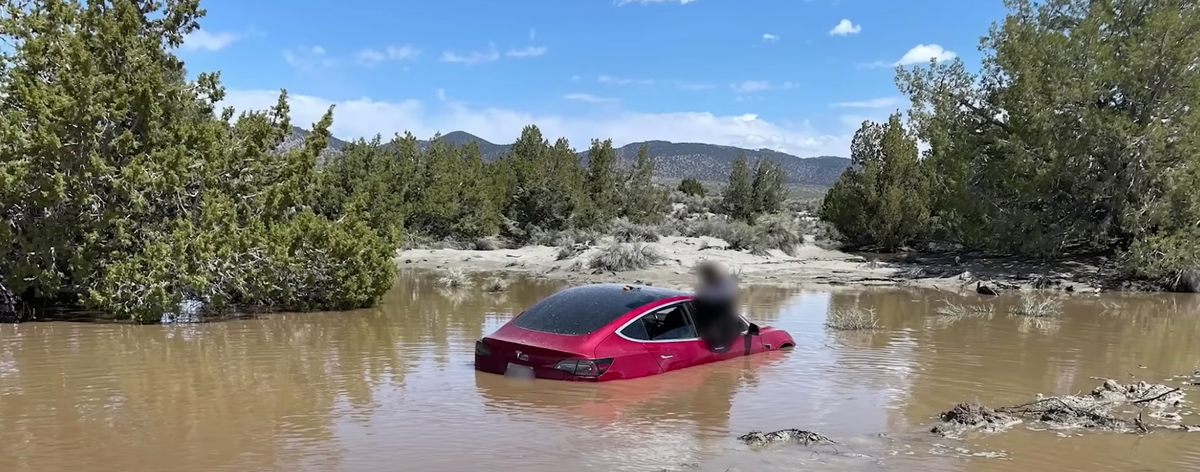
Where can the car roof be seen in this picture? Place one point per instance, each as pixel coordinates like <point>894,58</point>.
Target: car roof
<point>628,291</point>
<point>586,308</point>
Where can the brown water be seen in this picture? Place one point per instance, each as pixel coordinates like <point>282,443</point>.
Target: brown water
<point>392,389</point>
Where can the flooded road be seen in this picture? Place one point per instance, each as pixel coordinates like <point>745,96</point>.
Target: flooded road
<point>393,389</point>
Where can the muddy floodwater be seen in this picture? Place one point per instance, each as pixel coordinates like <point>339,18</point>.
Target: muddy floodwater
<point>393,389</point>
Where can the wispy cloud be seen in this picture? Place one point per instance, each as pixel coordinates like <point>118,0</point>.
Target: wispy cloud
<point>587,97</point>
<point>644,2</point>
<point>474,57</point>
<point>886,102</point>
<point>845,27</point>
<point>309,58</point>
<point>770,37</point>
<point>372,57</point>
<point>751,86</point>
<point>608,79</point>
<point>203,40</point>
<point>693,85</point>
<point>531,51</point>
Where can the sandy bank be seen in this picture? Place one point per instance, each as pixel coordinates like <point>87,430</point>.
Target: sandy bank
<point>810,267</point>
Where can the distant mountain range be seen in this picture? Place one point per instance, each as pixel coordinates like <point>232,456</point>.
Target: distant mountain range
<point>706,162</point>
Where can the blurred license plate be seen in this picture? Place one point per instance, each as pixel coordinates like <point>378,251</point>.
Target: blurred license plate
<point>519,371</point>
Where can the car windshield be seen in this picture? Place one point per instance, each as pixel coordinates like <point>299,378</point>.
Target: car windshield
<point>583,310</point>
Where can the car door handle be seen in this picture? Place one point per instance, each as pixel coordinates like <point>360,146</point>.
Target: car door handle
<point>664,356</point>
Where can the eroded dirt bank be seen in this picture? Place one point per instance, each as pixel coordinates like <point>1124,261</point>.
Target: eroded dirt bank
<point>809,266</point>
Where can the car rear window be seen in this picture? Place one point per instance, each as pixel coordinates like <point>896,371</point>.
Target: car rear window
<point>583,310</point>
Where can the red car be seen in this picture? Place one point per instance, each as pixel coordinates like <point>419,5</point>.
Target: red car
<point>606,332</point>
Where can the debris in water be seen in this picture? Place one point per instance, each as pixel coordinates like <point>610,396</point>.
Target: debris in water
<point>760,439</point>
<point>1091,411</point>
<point>973,416</point>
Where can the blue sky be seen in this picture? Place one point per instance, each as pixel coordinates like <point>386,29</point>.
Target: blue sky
<point>791,75</point>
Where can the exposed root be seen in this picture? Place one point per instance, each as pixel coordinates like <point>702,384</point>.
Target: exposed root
<point>761,439</point>
<point>1095,411</point>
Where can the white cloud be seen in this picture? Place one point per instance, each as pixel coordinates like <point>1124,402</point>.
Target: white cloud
<point>769,37</point>
<point>750,86</point>
<point>644,2</point>
<point>202,40</point>
<point>845,27</point>
<point>919,54</point>
<point>309,59</point>
<point>530,51</point>
<point>364,117</point>
<point>608,79</point>
<point>922,53</point>
<point>886,102</point>
<point>473,57</point>
<point>587,97</point>
<point>371,57</point>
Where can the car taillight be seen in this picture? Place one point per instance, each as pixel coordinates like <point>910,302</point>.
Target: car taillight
<point>584,367</point>
<point>482,349</point>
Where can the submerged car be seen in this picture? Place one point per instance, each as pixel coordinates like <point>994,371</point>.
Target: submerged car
<point>604,332</point>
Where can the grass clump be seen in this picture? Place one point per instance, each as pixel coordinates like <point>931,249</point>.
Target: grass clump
<point>777,232</point>
<point>738,235</point>
<point>1037,306</point>
<point>852,319</point>
<point>625,231</point>
<point>957,311</point>
<point>486,244</point>
<point>495,285</point>
<point>452,279</point>
<point>567,251</point>
<point>621,257</point>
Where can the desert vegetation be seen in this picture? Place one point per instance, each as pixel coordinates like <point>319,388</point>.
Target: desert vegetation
<point>1076,136</point>
<point>126,189</point>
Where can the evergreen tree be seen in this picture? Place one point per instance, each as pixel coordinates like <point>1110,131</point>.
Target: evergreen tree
<point>739,194</point>
<point>123,190</point>
<point>692,187</point>
<point>478,215</point>
<point>600,184</point>
<point>767,187</point>
<point>645,202</point>
<point>884,199</point>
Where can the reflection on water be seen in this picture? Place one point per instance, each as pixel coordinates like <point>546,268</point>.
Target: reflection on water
<point>393,388</point>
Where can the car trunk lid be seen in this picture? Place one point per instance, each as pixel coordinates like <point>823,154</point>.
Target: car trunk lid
<point>535,349</point>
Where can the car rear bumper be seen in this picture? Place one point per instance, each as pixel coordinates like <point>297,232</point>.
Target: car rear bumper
<point>493,365</point>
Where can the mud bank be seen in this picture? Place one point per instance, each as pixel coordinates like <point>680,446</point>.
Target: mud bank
<point>809,267</point>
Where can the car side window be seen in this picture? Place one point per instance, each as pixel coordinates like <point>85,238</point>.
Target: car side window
<point>667,324</point>
<point>636,330</point>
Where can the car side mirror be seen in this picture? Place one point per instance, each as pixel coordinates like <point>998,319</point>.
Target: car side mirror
<point>753,329</point>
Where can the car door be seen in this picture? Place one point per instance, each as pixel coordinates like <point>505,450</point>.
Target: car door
<point>670,335</point>
<point>744,345</point>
